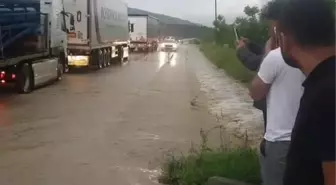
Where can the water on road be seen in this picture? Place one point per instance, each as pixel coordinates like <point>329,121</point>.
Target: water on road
<point>115,125</point>
<point>227,99</point>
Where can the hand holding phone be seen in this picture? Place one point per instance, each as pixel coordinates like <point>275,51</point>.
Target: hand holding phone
<point>240,41</point>
<point>240,44</point>
<point>236,33</point>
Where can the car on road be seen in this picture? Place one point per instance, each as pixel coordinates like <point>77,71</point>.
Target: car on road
<point>168,45</point>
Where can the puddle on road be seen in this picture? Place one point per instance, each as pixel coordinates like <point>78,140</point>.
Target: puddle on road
<point>227,99</point>
<point>147,136</point>
<point>167,58</point>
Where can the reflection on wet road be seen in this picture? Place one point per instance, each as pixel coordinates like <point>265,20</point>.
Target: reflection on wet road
<point>107,127</point>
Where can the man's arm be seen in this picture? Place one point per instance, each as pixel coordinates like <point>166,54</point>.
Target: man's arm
<point>259,89</point>
<point>250,60</point>
<point>262,81</point>
<point>329,172</point>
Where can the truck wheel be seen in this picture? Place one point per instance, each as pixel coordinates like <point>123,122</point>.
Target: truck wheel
<point>105,56</point>
<point>120,54</point>
<point>25,79</point>
<point>94,59</point>
<point>108,57</point>
<point>100,59</point>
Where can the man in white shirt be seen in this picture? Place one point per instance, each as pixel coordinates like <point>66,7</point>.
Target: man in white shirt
<point>281,85</point>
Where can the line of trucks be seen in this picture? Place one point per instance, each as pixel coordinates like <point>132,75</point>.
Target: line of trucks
<point>40,40</point>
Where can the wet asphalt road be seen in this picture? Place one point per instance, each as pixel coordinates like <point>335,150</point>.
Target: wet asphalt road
<point>100,128</point>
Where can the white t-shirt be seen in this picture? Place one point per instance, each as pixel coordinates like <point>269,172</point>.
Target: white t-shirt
<point>283,99</point>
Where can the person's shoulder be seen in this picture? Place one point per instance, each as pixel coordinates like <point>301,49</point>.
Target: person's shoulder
<point>275,57</point>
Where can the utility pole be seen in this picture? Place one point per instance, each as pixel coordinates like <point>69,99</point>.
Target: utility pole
<point>216,10</point>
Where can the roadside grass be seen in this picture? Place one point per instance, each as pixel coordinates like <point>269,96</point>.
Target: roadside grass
<point>225,58</point>
<point>202,163</point>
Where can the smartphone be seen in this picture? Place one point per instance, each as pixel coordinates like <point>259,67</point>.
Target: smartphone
<point>236,33</point>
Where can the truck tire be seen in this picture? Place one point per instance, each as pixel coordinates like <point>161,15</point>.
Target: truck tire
<point>108,57</point>
<point>105,59</point>
<point>25,79</point>
<point>101,59</point>
<point>94,59</point>
<point>120,57</point>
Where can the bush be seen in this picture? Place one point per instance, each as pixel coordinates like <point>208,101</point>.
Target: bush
<point>225,58</point>
<point>196,169</point>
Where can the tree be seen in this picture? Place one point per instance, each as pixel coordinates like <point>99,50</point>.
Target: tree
<point>251,11</point>
<point>249,26</point>
<point>223,31</point>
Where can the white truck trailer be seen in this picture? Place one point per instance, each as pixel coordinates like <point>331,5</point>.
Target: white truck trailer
<point>33,43</point>
<point>145,32</point>
<point>98,32</point>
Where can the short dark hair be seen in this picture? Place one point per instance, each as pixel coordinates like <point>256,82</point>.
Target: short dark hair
<point>272,10</point>
<point>310,22</point>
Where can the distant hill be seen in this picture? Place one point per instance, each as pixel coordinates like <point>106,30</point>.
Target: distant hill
<point>177,27</point>
<point>164,18</point>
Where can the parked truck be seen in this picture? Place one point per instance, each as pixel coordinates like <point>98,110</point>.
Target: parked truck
<point>98,32</point>
<point>33,43</point>
<point>145,32</point>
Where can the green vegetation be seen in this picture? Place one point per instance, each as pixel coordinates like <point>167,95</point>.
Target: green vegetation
<point>203,163</point>
<point>196,169</point>
<point>225,58</point>
<point>250,26</point>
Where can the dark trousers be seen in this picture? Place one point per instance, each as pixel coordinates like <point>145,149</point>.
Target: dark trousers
<point>265,118</point>
<point>261,105</point>
<point>262,144</point>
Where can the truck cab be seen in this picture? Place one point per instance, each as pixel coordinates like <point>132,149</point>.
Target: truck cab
<point>33,42</point>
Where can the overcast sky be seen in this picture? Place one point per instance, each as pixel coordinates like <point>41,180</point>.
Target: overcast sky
<point>200,11</point>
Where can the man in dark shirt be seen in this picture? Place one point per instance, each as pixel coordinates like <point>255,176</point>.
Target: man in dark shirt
<point>308,38</point>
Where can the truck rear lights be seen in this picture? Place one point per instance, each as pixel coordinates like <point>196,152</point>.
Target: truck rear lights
<point>3,81</point>
<point>2,75</point>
